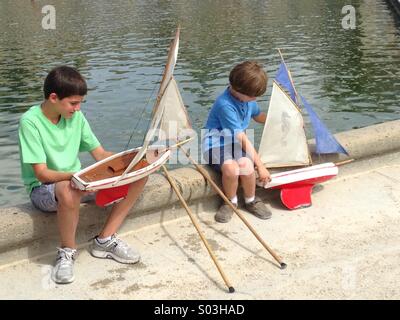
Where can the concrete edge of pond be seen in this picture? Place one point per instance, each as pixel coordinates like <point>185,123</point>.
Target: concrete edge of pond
<point>26,232</point>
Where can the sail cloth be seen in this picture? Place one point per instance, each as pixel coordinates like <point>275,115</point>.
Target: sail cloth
<point>170,66</point>
<point>324,140</point>
<point>159,108</point>
<point>282,77</point>
<point>175,123</point>
<point>284,142</point>
<point>170,117</point>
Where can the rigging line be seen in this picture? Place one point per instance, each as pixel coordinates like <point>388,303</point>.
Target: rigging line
<point>141,115</point>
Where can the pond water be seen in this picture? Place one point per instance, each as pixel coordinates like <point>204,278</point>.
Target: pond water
<point>350,76</point>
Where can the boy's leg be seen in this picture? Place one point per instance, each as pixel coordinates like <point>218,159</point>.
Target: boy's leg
<point>107,245</point>
<point>68,200</point>
<point>248,179</point>
<point>67,212</point>
<point>230,183</point>
<point>230,178</point>
<point>121,210</point>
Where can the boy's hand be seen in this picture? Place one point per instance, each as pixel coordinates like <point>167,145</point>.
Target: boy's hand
<point>263,175</point>
<point>73,185</point>
<point>84,192</point>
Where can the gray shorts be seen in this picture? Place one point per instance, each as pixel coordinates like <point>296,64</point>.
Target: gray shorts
<point>216,157</point>
<point>44,197</point>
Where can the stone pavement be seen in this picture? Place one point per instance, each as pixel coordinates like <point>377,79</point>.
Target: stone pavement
<point>346,246</point>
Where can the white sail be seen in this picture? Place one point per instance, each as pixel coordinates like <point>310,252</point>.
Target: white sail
<point>175,119</point>
<point>158,108</point>
<point>149,136</point>
<point>170,67</point>
<point>283,143</point>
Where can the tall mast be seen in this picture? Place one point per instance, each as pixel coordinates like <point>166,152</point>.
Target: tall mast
<point>290,78</point>
<point>296,97</point>
<point>157,114</point>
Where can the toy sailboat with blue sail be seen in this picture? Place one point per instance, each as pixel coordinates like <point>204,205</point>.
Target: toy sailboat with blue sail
<point>284,144</point>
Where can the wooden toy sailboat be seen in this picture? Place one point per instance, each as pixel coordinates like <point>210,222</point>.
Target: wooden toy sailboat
<point>169,117</point>
<point>284,144</point>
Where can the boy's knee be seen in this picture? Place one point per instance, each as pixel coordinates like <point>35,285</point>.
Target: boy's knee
<point>230,169</point>
<point>139,183</point>
<point>144,180</point>
<point>67,195</point>
<point>246,166</point>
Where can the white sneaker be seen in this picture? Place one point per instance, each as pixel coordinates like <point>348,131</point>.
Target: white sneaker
<point>115,249</point>
<point>63,271</point>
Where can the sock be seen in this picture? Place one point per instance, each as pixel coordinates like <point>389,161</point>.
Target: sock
<point>103,240</point>
<point>234,200</point>
<point>72,250</point>
<point>248,200</point>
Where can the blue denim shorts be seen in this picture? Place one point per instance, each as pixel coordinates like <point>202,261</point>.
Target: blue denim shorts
<point>215,157</point>
<point>44,197</point>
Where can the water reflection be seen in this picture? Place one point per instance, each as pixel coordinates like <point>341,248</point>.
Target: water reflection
<point>351,77</point>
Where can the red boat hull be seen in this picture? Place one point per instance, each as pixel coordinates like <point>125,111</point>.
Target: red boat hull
<point>296,185</point>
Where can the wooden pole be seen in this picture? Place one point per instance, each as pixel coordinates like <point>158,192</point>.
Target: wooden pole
<point>228,202</point>
<point>341,163</point>
<point>290,78</point>
<point>196,225</point>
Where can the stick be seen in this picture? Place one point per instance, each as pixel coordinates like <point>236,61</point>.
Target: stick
<point>341,163</point>
<point>177,144</point>
<point>219,191</point>
<point>196,225</point>
<point>181,143</point>
<point>290,77</point>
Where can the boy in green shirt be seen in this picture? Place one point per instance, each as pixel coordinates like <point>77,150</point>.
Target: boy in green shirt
<point>50,137</point>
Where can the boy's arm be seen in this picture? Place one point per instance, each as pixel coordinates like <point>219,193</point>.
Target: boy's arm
<point>247,146</point>
<point>261,118</point>
<point>45,175</point>
<point>99,153</point>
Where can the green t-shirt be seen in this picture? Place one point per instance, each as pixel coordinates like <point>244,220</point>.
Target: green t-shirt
<point>57,145</point>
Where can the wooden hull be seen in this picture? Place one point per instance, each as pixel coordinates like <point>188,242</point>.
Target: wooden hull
<point>103,174</point>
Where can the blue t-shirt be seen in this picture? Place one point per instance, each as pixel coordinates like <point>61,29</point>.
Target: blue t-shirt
<point>228,116</point>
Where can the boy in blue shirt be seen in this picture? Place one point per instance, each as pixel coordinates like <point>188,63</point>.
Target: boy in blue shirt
<point>226,147</point>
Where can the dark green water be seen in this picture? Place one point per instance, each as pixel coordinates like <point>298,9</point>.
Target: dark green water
<point>350,76</point>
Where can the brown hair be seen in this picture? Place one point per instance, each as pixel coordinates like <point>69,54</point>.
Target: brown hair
<point>249,78</point>
<point>65,82</point>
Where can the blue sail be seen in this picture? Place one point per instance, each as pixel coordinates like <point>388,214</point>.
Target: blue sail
<point>282,77</point>
<point>324,140</point>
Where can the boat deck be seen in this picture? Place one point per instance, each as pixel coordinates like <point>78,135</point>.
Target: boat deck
<point>112,168</point>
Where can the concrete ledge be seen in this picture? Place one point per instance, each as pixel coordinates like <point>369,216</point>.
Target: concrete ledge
<point>26,232</point>
<point>365,142</point>
<point>24,226</point>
